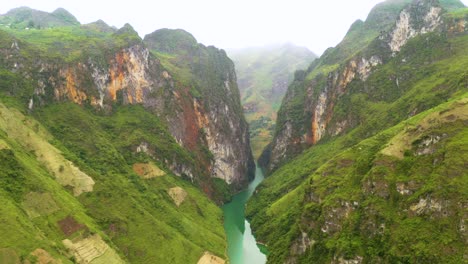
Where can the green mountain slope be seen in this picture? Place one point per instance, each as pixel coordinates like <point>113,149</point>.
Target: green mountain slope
<point>366,164</point>
<point>263,75</point>
<point>396,197</point>
<point>25,17</point>
<point>130,212</point>
<point>108,153</point>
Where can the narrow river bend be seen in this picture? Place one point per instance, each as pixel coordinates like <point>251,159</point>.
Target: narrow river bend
<point>242,246</point>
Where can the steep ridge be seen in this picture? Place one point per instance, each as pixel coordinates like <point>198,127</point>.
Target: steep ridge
<point>119,147</point>
<point>263,75</point>
<point>210,102</point>
<point>365,166</point>
<point>317,104</point>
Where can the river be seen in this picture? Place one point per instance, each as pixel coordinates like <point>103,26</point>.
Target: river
<point>242,246</point>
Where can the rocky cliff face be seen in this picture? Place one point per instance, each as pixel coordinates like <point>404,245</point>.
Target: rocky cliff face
<point>210,105</point>
<point>203,115</point>
<point>323,88</point>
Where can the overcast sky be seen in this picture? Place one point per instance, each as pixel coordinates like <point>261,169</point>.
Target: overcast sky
<point>316,24</point>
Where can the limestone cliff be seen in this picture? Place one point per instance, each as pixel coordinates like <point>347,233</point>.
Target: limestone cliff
<point>303,122</point>
<point>203,113</point>
<point>210,104</point>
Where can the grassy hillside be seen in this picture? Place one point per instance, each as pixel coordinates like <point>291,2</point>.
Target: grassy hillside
<point>85,184</point>
<point>380,200</point>
<point>390,188</point>
<point>134,214</point>
<point>25,17</point>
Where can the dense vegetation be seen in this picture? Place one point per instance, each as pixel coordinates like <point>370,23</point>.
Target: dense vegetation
<point>391,187</point>
<point>130,206</point>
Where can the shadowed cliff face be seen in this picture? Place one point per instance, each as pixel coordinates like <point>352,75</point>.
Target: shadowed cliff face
<point>305,121</point>
<point>202,111</point>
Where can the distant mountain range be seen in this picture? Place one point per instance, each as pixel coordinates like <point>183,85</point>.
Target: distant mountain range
<point>263,75</point>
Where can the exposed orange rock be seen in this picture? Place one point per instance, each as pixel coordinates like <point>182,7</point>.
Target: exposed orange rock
<point>129,98</point>
<point>69,225</point>
<point>347,76</point>
<point>202,119</point>
<point>139,95</point>
<point>192,130</point>
<point>315,129</point>
<point>191,117</point>
<point>147,170</point>
<point>116,79</point>
<point>71,88</point>
<point>127,72</point>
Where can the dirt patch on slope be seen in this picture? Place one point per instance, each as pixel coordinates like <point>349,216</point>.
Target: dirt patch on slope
<point>69,225</point>
<point>209,258</point>
<point>92,250</point>
<point>43,257</point>
<point>177,194</point>
<point>37,204</point>
<point>147,170</point>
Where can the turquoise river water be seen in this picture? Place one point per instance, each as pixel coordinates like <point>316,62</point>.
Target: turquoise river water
<point>242,246</point>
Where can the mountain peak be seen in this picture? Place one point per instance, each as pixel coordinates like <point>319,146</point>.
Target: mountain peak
<point>128,34</point>
<point>26,17</point>
<point>127,28</point>
<point>101,26</point>
<point>64,15</point>
<point>171,40</point>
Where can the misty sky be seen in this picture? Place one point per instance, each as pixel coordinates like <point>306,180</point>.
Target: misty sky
<point>225,24</point>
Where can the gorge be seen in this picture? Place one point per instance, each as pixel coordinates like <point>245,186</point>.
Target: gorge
<point>116,148</point>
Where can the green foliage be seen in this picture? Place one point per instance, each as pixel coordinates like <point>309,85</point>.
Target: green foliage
<point>26,18</point>
<point>122,206</point>
<point>21,175</point>
<point>170,41</point>
<point>135,216</point>
<point>12,176</point>
<point>223,188</point>
<point>345,184</point>
<point>73,43</point>
<point>458,13</point>
<point>14,85</point>
<point>382,224</point>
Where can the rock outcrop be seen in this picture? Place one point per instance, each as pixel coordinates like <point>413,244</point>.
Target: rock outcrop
<point>209,105</point>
